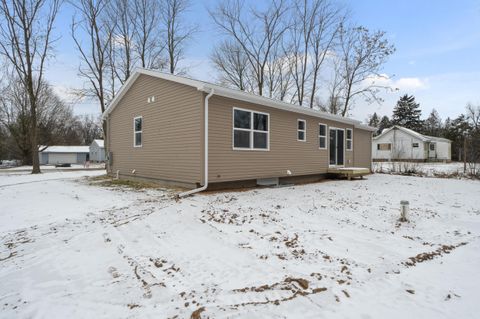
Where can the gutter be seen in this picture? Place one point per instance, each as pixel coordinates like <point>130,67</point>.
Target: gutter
<point>205,154</point>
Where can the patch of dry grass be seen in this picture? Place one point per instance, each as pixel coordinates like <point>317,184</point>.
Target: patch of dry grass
<point>128,184</point>
<point>108,181</point>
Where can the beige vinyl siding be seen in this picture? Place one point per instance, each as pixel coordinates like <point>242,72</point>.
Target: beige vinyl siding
<point>362,141</point>
<point>286,153</point>
<point>172,131</point>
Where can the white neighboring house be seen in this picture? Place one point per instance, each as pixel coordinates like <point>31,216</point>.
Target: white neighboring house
<point>97,151</point>
<point>399,144</point>
<point>64,155</point>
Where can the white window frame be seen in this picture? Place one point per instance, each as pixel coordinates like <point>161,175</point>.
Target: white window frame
<point>304,130</point>
<point>324,136</point>
<point>251,130</point>
<point>135,132</point>
<point>348,139</point>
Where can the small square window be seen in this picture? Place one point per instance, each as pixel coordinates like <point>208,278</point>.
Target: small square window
<point>301,136</point>
<point>260,140</point>
<point>242,119</point>
<point>301,125</point>
<point>260,122</point>
<point>414,144</point>
<point>241,139</point>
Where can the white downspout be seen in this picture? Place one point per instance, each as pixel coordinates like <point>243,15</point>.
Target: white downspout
<point>205,160</point>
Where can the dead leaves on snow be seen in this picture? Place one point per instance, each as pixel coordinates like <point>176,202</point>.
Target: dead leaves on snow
<point>296,286</point>
<point>444,249</point>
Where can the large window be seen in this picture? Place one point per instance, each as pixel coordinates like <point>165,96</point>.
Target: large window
<point>349,139</point>
<point>301,130</point>
<point>322,136</point>
<point>250,130</point>
<point>137,131</point>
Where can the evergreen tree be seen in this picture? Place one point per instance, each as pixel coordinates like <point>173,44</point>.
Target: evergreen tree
<point>433,124</point>
<point>407,113</point>
<point>455,131</point>
<point>374,121</point>
<point>384,123</point>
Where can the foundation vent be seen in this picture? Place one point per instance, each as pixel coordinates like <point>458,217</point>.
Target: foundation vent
<point>268,181</point>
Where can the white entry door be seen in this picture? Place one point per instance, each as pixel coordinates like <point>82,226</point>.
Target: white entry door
<point>337,146</point>
<point>432,150</point>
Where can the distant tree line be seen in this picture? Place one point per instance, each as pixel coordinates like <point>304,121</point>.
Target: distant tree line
<point>112,37</point>
<point>463,131</point>
<point>56,122</point>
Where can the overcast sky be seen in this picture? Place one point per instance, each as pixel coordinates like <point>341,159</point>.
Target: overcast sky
<point>437,57</point>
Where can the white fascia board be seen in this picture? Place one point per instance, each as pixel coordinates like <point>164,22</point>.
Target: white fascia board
<point>248,97</point>
<point>365,127</point>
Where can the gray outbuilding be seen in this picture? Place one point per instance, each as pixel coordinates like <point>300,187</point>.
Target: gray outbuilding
<point>64,155</point>
<point>97,151</point>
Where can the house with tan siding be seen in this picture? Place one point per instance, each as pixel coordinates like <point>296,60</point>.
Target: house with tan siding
<point>191,133</point>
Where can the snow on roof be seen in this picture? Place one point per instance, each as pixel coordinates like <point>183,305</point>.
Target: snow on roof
<point>230,93</point>
<point>423,138</point>
<point>66,149</point>
<point>100,143</point>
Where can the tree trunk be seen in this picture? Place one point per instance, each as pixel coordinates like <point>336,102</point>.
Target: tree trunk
<point>35,159</point>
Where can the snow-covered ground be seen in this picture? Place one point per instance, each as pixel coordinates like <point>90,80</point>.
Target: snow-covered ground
<point>428,169</point>
<point>52,167</point>
<point>326,250</point>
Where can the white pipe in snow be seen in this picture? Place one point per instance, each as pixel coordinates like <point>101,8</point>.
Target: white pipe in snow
<point>205,160</point>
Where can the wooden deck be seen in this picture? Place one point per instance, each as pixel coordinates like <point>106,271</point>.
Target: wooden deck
<point>349,172</point>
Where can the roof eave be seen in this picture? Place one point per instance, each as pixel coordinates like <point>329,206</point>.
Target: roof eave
<point>230,93</point>
<point>246,97</point>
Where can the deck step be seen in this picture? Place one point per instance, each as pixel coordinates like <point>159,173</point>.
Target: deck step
<point>349,172</point>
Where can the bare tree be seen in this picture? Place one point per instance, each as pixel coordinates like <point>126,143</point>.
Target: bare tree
<point>55,120</point>
<point>310,38</point>
<point>305,16</point>
<point>472,143</point>
<point>15,117</point>
<point>92,25</point>
<point>362,54</point>
<point>256,33</point>
<point>149,36</point>
<point>121,19</point>
<point>90,128</point>
<point>232,63</point>
<point>322,41</point>
<point>177,31</point>
<point>473,115</point>
<point>26,42</point>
